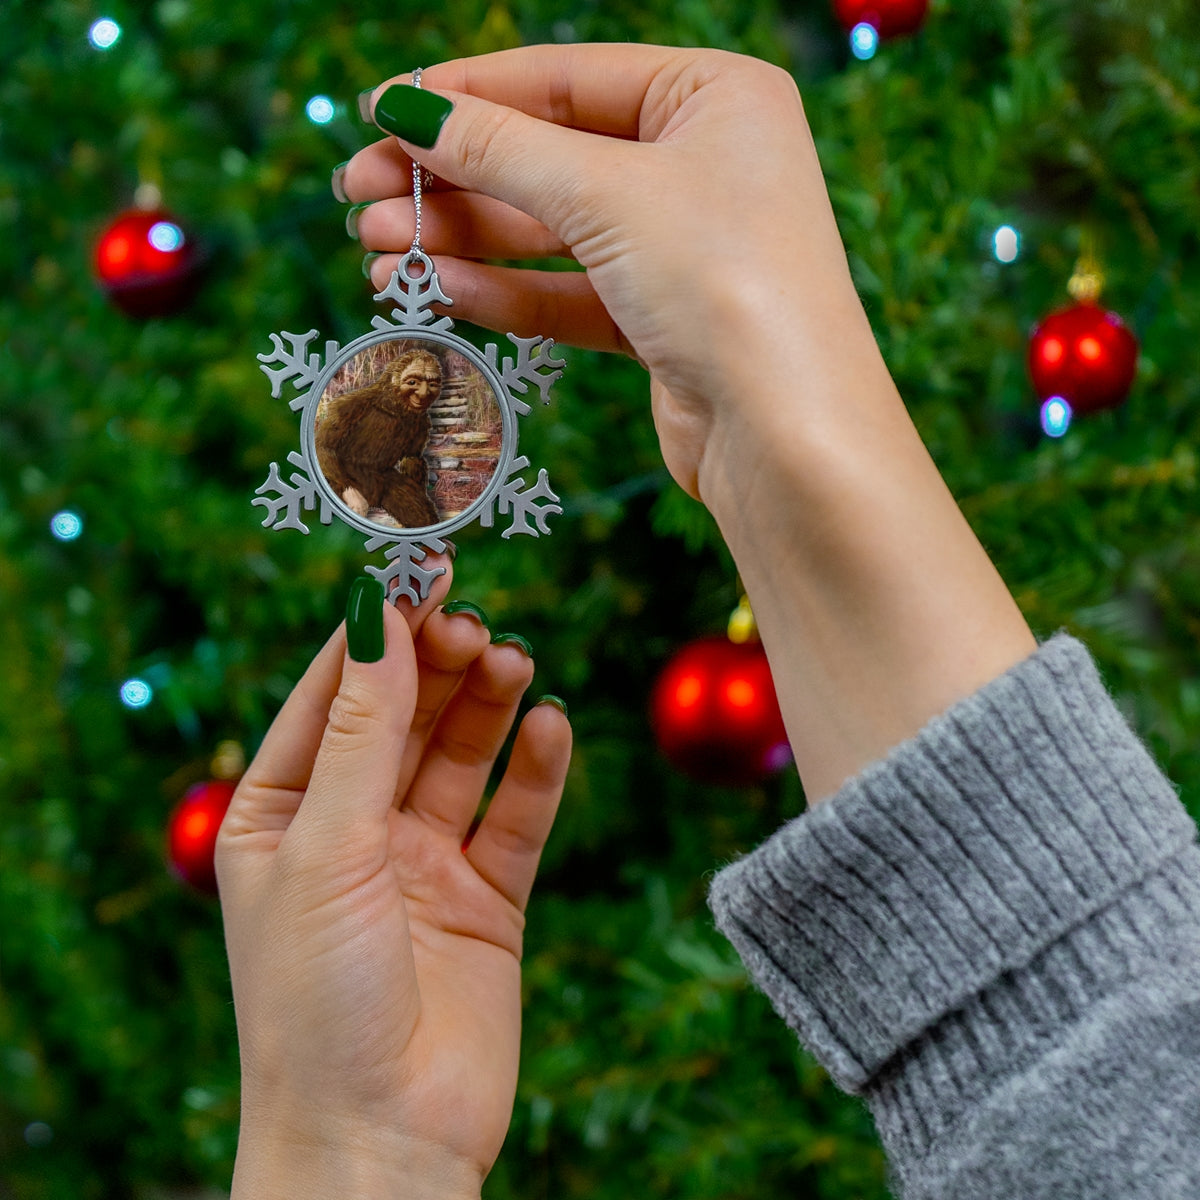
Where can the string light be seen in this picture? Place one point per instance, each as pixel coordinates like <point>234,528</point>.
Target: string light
<point>864,40</point>
<point>320,110</point>
<point>165,236</point>
<point>1006,244</point>
<point>104,33</point>
<point>136,693</point>
<point>1056,417</point>
<point>66,525</point>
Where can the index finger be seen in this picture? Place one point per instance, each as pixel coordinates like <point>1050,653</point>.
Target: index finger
<point>597,88</point>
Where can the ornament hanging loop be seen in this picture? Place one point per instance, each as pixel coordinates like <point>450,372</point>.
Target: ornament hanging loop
<point>1087,281</point>
<point>417,171</point>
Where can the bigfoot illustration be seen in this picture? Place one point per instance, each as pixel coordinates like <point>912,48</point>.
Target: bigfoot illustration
<point>371,441</point>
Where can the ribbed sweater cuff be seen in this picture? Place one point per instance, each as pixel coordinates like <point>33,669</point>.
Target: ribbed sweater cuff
<point>1008,821</point>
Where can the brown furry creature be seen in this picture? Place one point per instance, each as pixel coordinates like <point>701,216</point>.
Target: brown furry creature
<point>372,439</point>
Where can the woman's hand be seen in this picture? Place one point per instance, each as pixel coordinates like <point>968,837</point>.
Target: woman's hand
<point>687,185</point>
<point>375,960</point>
<point>684,181</point>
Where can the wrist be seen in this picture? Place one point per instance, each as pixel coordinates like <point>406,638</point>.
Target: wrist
<point>877,605</point>
<point>333,1158</point>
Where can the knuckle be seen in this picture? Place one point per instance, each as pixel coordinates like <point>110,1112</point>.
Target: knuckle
<point>353,715</point>
<point>484,142</point>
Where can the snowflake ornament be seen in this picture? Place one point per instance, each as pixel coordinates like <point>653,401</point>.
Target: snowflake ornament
<point>409,432</point>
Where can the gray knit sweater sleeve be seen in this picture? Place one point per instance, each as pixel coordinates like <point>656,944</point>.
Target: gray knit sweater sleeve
<point>994,936</point>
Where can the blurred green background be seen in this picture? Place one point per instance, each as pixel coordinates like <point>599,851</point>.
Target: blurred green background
<point>650,1066</point>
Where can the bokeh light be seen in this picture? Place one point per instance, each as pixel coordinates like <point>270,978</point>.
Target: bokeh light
<point>864,40</point>
<point>1056,417</point>
<point>104,33</point>
<point>320,110</point>
<point>1006,244</point>
<point>136,693</point>
<point>165,236</point>
<point>66,525</point>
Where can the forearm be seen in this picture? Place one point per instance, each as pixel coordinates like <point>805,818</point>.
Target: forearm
<point>877,605</point>
<point>994,935</point>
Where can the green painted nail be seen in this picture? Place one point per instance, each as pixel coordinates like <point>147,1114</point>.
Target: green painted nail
<point>412,113</point>
<point>338,184</point>
<point>364,620</point>
<point>557,701</point>
<point>352,218</point>
<point>368,259</point>
<point>512,639</point>
<point>465,606</point>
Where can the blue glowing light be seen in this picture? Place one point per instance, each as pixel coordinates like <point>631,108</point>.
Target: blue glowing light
<point>1006,244</point>
<point>864,40</point>
<point>1056,417</point>
<point>66,525</point>
<point>320,110</point>
<point>136,693</point>
<point>165,236</point>
<point>104,33</point>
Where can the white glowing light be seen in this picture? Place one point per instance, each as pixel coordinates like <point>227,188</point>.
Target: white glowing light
<point>104,33</point>
<point>136,693</point>
<point>66,525</point>
<point>1056,417</point>
<point>319,110</point>
<point>165,236</point>
<point>1006,244</point>
<point>864,40</point>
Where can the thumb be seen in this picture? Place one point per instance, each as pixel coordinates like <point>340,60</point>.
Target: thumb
<point>354,776</point>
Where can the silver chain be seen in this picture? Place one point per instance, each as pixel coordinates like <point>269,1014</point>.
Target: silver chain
<point>417,172</point>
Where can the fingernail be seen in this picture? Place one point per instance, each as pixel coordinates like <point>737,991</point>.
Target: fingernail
<point>512,639</point>
<point>368,259</point>
<point>338,184</point>
<point>352,219</point>
<point>364,620</point>
<point>364,105</point>
<point>465,606</point>
<point>412,113</point>
<point>451,549</point>
<point>557,701</point>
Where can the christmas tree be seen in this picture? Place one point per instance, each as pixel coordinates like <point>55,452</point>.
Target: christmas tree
<point>151,626</point>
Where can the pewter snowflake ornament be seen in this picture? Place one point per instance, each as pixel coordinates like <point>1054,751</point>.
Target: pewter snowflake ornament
<point>409,432</point>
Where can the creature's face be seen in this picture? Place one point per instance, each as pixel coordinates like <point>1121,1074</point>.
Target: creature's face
<point>420,384</point>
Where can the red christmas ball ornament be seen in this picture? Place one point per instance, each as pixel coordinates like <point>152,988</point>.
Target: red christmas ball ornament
<point>715,714</point>
<point>889,18</point>
<point>146,263</point>
<point>1084,354</point>
<point>192,832</point>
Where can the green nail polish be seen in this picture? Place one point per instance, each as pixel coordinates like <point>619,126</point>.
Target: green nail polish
<point>368,259</point>
<point>512,639</point>
<point>465,606</point>
<point>364,620</point>
<point>412,113</point>
<point>338,184</point>
<point>363,104</point>
<point>352,219</point>
<point>557,701</point>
